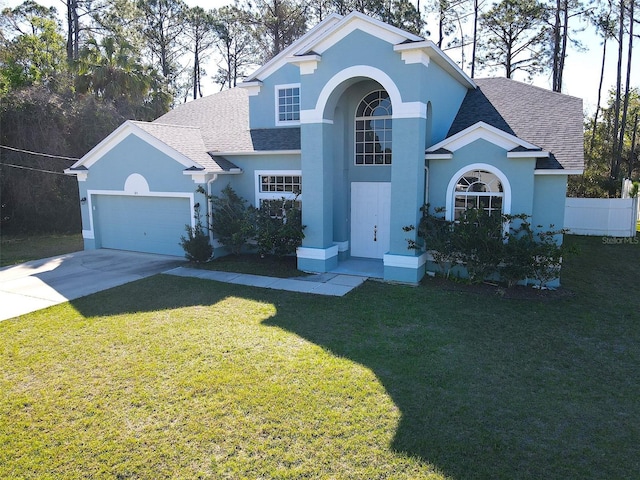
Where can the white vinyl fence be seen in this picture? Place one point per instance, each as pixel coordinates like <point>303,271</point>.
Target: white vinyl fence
<point>612,217</point>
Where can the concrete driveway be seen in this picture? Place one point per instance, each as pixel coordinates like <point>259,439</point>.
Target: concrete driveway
<point>39,284</point>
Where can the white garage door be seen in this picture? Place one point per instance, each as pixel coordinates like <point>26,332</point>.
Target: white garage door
<point>141,224</point>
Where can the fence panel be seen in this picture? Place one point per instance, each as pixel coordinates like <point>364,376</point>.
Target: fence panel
<point>614,217</point>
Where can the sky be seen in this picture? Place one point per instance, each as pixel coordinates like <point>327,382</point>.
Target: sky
<point>581,74</point>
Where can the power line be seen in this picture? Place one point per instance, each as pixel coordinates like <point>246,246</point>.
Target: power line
<point>29,168</point>
<point>60,157</point>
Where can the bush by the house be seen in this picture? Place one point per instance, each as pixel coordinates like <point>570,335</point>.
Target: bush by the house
<point>196,244</point>
<point>232,221</point>
<point>499,247</point>
<point>279,228</point>
<point>274,228</point>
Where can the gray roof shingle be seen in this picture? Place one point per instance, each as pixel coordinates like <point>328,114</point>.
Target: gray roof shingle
<point>184,139</point>
<point>550,120</point>
<point>223,119</point>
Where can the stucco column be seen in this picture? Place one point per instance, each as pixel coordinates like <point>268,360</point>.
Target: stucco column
<point>407,196</point>
<point>317,254</point>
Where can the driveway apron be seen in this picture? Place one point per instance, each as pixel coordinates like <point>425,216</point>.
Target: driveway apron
<point>39,284</point>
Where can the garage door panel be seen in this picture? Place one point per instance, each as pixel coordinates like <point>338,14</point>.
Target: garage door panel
<point>141,224</point>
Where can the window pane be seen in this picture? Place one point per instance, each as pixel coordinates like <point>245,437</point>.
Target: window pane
<point>373,135</point>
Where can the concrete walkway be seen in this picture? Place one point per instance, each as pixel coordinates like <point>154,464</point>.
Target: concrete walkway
<point>333,284</point>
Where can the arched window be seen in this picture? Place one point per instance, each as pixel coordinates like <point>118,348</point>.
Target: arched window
<point>373,129</point>
<point>478,189</point>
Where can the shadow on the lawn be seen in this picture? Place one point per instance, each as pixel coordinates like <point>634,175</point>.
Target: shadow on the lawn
<point>486,388</point>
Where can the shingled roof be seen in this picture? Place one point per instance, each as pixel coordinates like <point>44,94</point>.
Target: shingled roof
<point>223,120</point>
<point>550,120</point>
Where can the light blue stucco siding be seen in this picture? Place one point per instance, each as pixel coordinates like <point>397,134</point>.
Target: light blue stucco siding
<point>169,191</point>
<point>317,212</point>
<point>407,194</point>
<point>549,201</point>
<point>263,105</point>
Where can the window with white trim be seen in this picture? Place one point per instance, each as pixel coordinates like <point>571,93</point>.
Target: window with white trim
<point>287,104</point>
<point>373,129</point>
<point>478,189</point>
<point>277,189</point>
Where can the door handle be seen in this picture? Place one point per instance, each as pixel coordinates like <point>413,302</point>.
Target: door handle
<point>375,233</point>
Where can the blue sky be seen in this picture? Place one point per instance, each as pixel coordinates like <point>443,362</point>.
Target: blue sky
<point>581,75</point>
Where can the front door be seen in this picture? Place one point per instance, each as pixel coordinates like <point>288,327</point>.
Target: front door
<point>370,215</point>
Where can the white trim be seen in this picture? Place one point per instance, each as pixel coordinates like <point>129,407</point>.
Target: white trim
<point>274,195</point>
<point>414,56</point>
<point>438,156</point>
<point>506,187</point>
<point>252,88</point>
<point>558,171</point>
<point>481,130</point>
<point>284,86</point>
<point>310,116</point>
<point>317,253</point>
<point>416,51</point>
<point>307,63</point>
<point>404,261</point>
<point>130,128</point>
<point>534,154</point>
<point>130,191</point>
<point>342,246</point>
<point>400,109</point>
<point>410,110</point>
<point>358,21</point>
<point>81,175</point>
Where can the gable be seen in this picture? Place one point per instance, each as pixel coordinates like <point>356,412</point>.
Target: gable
<point>307,51</point>
<point>120,134</point>
<point>515,146</point>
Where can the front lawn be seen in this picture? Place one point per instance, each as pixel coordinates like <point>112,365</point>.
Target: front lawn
<point>171,377</point>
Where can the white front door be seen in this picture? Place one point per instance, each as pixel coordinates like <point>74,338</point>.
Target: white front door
<point>370,215</point>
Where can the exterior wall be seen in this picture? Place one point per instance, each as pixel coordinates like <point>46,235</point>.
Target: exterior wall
<point>262,106</point>
<point>109,174</point>
<point>549,201</point>
<point>519,173</point>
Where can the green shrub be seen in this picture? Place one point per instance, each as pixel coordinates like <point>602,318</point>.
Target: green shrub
<point>233,223</point>
<point>279,228</point>
<point>503,247</point>
<point>196,244</point>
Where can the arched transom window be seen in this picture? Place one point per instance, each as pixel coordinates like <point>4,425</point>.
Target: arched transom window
<point>373,129</point>
<point>478,189</point>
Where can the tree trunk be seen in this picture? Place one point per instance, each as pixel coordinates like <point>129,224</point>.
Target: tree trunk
<point>625,108</point>
<point>475,38</point>
<point>595,117</point>
<point>563,48</point>
<point>557,26</point>
<point>633,144</point>
<point>615,160</point>
<point>196,71</point>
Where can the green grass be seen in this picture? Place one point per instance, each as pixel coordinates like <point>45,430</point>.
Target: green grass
<point>22,248</point>
<point>268,265</point>
<point>184,378</point>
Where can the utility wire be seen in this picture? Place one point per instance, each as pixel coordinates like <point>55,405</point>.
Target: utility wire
<point>60,157</point>
<point>29,168</point>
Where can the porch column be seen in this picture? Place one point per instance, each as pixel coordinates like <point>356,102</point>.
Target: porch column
<point>402,264</point>
<point>317,254</point>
